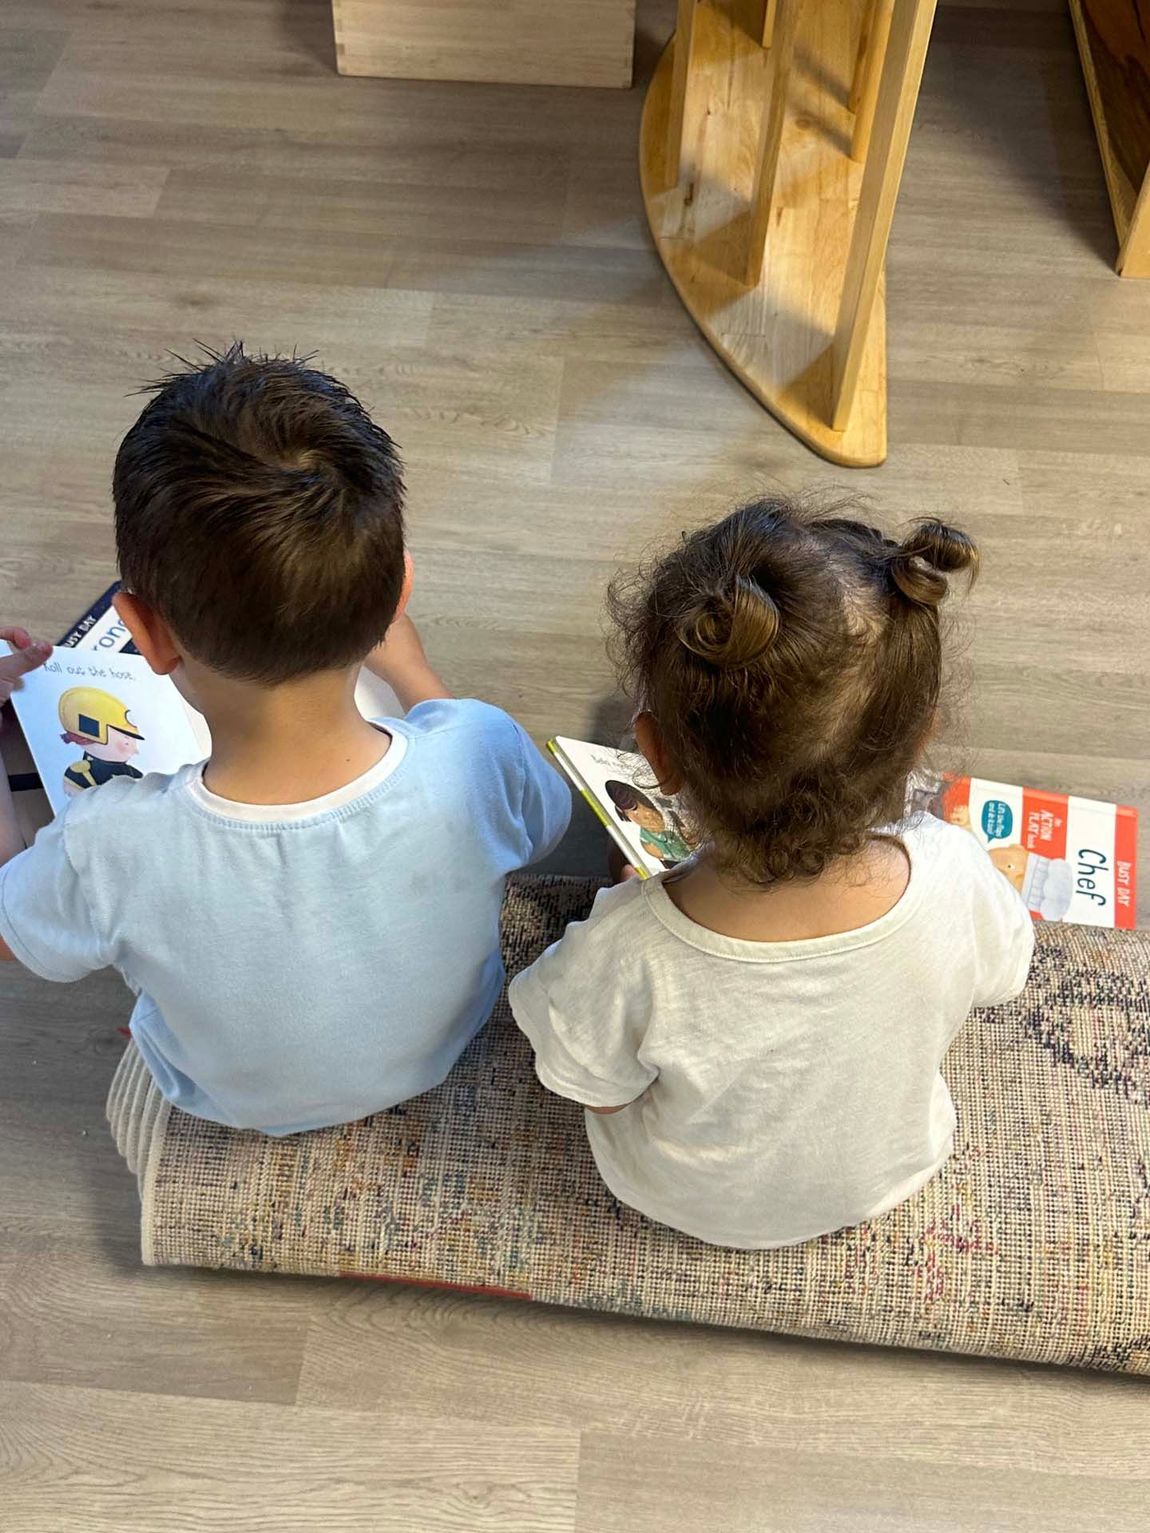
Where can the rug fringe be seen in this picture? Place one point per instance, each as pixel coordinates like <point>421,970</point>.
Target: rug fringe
<point>138,1115</point>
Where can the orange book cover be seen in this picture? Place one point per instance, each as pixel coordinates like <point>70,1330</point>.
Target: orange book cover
<point>1072,859</point>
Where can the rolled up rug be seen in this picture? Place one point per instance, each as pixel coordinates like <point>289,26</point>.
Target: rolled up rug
<point>1033,1242</point>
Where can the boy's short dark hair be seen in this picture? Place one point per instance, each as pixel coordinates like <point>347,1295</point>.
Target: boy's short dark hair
<point>259,510</point>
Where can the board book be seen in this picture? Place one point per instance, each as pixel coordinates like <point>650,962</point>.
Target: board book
<point>1071,859</point>
<point>97,710</point>
<point>621,789</point>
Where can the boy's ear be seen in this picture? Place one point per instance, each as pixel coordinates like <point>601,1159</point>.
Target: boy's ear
<point>650,741</point>
<point>408,582</point>
<point>152,636</point>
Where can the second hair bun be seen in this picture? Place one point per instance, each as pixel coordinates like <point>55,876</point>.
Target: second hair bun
<point>926,556</point>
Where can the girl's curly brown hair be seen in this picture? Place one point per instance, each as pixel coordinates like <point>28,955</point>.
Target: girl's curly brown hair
<point>792,661</point>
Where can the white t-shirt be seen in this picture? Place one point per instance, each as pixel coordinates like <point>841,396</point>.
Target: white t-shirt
<point>777,1090</point>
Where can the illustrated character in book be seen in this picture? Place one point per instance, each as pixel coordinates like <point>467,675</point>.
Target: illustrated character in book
<point>1011,862</point>
<point>102,725</point>
<point>1045,883</point>
<point>658,839</point>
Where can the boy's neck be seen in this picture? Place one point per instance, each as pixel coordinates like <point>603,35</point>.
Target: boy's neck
<point>285,744</point>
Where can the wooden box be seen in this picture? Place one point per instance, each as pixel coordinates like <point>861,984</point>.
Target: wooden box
<point>519,42</point>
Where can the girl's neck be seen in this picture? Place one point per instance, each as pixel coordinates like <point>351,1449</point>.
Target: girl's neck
<point>289,743</point>
<point>849,894</point>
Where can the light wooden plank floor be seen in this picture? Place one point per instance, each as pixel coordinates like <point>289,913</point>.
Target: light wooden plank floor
<point>473,260</point>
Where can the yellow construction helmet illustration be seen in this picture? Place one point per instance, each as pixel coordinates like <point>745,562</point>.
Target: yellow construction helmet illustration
<point>87,714</point>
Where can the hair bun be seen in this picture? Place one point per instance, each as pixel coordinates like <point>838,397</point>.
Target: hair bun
<point>926,556</point>
<point>731,628</point>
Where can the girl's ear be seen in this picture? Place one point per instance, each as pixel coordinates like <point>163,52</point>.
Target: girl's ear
<point>151,635</point>
<point>650,741</point>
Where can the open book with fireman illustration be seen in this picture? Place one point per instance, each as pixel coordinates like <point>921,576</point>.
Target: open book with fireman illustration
<point>96,710</point>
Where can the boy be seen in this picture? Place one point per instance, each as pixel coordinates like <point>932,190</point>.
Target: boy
<point>310,918</point>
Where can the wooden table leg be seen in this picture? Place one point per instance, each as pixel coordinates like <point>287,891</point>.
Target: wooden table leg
<point>861,55</point>
<point>771,135</point>
<point>898,93</point>
<point>868,74</point>
<point>680,86</point>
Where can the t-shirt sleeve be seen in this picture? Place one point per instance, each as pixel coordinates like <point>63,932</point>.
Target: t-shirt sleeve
<point>545,802</point>
<point>45,917</point>
<point>1003,931</point>
<point>586,1025</point>
<point>523,801</point>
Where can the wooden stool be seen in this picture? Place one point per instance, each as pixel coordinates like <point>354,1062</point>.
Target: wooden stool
<point>773,142</point>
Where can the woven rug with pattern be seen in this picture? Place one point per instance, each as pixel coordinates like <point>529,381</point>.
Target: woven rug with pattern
<point>1033,1243</point>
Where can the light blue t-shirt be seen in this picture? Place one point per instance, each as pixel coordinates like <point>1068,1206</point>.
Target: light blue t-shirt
<point>301,965</point>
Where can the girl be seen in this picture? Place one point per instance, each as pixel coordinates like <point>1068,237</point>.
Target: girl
<point>757,1034</point>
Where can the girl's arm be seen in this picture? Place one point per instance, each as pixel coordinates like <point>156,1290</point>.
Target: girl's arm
<point>584,1022</point>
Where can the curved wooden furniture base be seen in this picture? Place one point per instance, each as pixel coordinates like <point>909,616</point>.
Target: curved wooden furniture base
<point>776,335</point>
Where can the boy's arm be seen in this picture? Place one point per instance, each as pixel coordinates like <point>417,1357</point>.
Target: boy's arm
<point>11,842</point>
<point>26,655</point>
<point>402,662</point>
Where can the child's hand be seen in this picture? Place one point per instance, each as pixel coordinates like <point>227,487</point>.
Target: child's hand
<point>29,653</point>
<point>618,866</point>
